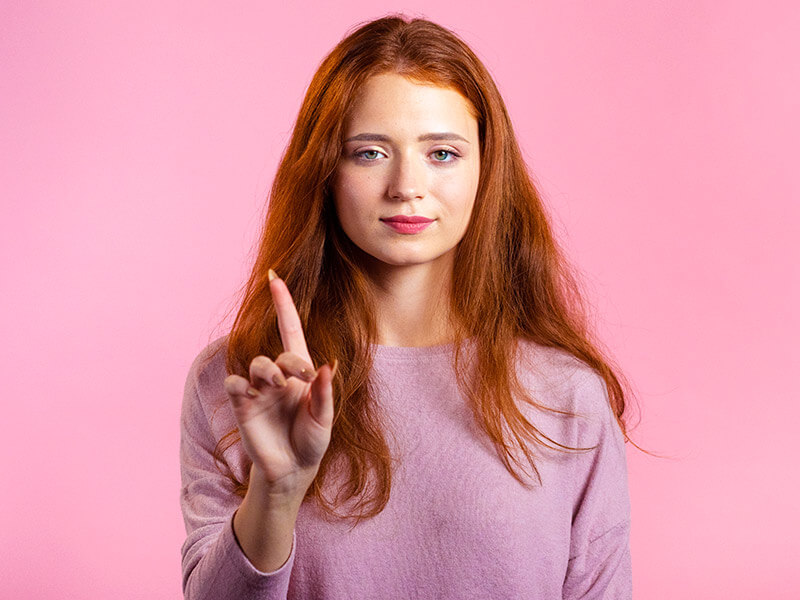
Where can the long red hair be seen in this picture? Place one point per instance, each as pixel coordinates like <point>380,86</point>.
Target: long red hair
<point>512,279</point>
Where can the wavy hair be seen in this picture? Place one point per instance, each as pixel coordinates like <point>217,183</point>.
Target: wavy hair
<point>513,281</point>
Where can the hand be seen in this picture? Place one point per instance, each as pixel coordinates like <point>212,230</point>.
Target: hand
<point>285,410</point>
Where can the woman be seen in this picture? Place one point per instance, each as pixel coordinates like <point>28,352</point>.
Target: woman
<point>463,437</point>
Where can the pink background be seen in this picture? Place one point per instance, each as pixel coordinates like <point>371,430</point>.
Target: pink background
<point>138,143</point>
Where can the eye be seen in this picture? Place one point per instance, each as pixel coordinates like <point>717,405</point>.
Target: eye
<point>368,155</point>
<point>441,155</point>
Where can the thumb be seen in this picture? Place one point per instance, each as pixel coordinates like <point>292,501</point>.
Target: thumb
<point>321,404</point>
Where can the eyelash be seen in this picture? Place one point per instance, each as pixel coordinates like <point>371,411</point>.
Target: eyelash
<point>452,153</point>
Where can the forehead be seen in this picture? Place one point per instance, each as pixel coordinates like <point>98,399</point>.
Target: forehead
<point>391,101</point>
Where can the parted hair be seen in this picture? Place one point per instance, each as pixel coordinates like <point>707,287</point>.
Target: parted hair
<point>512,280</point>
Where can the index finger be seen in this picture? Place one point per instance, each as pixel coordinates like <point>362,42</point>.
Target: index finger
<point>289,323</point>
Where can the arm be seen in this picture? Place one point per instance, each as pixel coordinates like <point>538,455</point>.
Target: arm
<point>212,560</point>
<point>264,527</point>
<point>599,566</point>
<point>603,570</point>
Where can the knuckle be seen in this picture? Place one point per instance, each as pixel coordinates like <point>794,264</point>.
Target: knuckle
<point>232,384</point>
<point>290,363</point>
<point>260,363</point>
<point>293,360</point>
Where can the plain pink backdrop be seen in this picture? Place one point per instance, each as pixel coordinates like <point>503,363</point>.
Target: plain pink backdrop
<point>138,143</point>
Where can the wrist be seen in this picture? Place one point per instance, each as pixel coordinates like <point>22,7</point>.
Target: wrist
<point>283,499</point>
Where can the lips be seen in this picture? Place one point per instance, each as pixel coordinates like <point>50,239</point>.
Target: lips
<point>405,219</point>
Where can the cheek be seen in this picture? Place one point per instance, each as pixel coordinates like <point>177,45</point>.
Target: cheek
<point>342,189</point>
<point>348,200</point>
<point>343,206</point>
<point>355,193</point>
<point>458,193</point>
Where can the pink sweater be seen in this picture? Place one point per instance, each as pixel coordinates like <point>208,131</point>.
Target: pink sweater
<point>457,525</point>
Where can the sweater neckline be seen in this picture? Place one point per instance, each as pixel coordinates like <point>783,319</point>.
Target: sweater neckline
<point>412,353</point>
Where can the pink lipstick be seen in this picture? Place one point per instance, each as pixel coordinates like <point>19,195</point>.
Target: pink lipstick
<point>404,224</point>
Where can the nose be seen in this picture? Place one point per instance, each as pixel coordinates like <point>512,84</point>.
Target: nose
<point>407,180</point>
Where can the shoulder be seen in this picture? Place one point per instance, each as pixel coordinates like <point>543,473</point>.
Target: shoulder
<point>206,415</point>
<point>209,362</point>
<point>562,380</point>
<point>204,381</point>
<point>558,380</point>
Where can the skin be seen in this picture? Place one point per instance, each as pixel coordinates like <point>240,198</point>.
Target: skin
<point>284,408</point>
<point>434,178</point>
<point>284,412</point>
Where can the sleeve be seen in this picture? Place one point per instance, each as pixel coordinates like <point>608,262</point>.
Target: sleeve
<point>212,562</point>
<point>599,566</point>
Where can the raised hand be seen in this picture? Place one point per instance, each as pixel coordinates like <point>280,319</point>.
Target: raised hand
<point>285,410</point>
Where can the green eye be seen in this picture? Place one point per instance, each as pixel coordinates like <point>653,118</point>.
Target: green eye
<point>441,155</point>
<point>368,155</point>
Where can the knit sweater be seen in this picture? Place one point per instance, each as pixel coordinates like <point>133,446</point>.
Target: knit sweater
<point>457,524</point>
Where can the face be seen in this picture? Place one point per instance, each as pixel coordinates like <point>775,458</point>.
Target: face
<point>409,150</point>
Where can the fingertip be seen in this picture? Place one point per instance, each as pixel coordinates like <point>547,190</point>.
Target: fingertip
<point>273,278</point>
<point>320,405</point>
<point>230,381</point>
<point>317,381</point>
<point>236,397</point>
<point>323,380</point>
<point>237,390</point>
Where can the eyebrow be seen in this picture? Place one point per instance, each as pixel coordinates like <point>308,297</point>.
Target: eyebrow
<point>377,137</point>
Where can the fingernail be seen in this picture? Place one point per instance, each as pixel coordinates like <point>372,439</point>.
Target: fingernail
<point>334,367</point>
<point>279,380</point>
<point>272,275</point>
<point>308,374</point>
<point>252,392</point>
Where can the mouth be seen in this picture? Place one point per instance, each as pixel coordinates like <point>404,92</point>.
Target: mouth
<point>406,226</point>
<point>406,219</point>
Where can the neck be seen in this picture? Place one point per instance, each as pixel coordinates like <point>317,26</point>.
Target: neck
<point>413,303</point>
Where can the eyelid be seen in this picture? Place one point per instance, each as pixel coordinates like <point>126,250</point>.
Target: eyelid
<point>358,153</point>
<point>454,154</point>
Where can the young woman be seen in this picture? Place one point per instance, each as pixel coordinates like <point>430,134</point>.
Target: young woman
<point>463,436</point>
